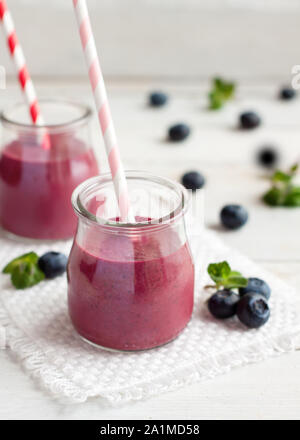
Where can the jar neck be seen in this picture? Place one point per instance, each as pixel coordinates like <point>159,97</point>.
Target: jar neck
<point>60,117</point>
<point>157,203</point>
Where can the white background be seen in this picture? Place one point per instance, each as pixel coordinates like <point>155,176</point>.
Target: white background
<point>163,38</point>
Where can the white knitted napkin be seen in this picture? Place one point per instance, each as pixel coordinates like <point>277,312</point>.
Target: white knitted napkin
<point>39,332</point>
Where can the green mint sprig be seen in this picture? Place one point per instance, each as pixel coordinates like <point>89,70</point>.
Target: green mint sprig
<point>283,191</point>
<point>24,271</point>
<point>221,91</point>
<point>224,277</point>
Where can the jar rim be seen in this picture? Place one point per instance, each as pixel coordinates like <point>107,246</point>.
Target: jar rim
<point>112,225</point>
<point>86,113</point>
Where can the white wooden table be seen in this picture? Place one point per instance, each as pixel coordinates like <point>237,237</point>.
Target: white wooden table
<point>269,390</point>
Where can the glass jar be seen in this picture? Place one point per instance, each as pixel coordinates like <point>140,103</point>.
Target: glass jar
<point>130,286</point>
<point>36,183</point>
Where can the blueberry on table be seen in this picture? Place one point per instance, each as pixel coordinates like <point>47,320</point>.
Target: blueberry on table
<point>268,157</point>
<point>179,132</point>
<point>223,303</point>
<point>53,264</point>
<point>258,286</point>
<point>249,120</point>
<point>158,99</point>
<point>287,93</point>
<point>233,216</point>
<point>253,310</point>
<point>193,180</point>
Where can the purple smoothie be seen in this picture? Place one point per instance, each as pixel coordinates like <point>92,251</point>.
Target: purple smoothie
<point>130,293</point>
<point>36,186</point>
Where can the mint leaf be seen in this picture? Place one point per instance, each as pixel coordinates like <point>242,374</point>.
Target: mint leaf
<point>235,273</point>
<point>235,281</point>
<point>226,89</point>
<point>26,275</point>
<point>216,100</point>
<point>280,176</point>
<point>217,82</point>
<point>219,271</point>
<point>273,197</point>
<point>30,257</point>
<point>292,198</point>
<point>24,271</point>
<point>294,168</point>
<point>283,192</point>
<point>221,91</point>
<point>223,276</point>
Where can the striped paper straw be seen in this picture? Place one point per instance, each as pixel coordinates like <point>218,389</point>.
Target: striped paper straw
<point>23,75</point>
<point>103,109</point>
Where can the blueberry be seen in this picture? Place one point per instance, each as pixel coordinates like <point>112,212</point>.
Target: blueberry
<point>179,132</point>
<point>193,180</point>
<point>223,304</point>
<point>253,310</point>
<point>53,264</point>
<point>249,120</point>
<point>158,99</point>
<point>258,286</point>
<point>287,93</point>
<point>233,216</point>
<point>267,157</point>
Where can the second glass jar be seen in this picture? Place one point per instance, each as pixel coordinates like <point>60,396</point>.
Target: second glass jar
<point>36,183</point>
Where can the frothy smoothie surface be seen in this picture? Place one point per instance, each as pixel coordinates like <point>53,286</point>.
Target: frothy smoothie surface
<point>130,293</point>
<point>36,186</point>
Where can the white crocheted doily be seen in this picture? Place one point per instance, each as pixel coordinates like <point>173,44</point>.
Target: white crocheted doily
<point>39,333</point>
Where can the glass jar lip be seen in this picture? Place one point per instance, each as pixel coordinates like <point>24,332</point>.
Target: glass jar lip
<point>86,113</point>
<point>117,226</point>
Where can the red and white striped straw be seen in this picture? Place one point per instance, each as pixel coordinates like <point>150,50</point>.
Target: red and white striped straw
<point>23,75</point>
<point>103,109</point>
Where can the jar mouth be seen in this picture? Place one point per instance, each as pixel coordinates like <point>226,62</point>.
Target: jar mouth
<point>131,175</point>
<point>84,113</point>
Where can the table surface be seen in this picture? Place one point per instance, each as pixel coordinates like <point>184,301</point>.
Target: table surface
<point>225,155</point>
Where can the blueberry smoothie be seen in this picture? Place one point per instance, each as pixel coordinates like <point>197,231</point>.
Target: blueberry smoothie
<point>130,293</point>
<point>36,185</point>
